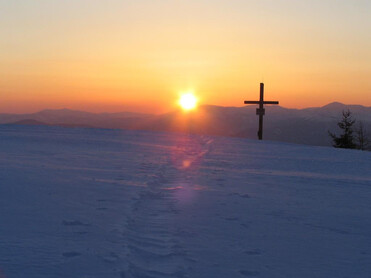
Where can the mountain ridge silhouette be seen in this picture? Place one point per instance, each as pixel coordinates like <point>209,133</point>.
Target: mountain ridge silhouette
<point>303,126</point>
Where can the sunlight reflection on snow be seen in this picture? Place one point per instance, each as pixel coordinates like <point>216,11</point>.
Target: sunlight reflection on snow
<point>185,193</point>
<point>187,163</point>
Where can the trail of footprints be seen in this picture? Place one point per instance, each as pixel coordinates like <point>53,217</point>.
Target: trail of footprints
<point>151,239</point>
<point>152,248</point>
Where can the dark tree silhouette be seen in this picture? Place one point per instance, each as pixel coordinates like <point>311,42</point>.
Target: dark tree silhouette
<point>363,141</point>
<point>346,139</point>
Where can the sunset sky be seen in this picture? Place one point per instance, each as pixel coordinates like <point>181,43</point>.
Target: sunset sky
<point>139,55</point>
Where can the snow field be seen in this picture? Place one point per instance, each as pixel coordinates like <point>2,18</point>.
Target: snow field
<point>109,203</point>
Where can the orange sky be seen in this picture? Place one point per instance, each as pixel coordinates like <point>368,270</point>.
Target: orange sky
<point>139,55</point>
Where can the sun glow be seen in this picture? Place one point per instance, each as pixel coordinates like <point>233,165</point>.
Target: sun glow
<point>188,101</point>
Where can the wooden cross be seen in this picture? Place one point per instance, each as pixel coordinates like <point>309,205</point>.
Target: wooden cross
<point>260,111</point>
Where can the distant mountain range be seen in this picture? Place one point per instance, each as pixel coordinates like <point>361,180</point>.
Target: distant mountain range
<point>303,126</point>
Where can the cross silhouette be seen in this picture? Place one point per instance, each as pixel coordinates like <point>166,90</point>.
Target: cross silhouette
<point>260,111</point>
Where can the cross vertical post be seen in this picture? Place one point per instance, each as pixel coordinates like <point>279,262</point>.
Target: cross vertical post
<point>260,111</point>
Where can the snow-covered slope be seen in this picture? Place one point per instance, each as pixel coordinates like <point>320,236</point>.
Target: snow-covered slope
<point>110,203</point>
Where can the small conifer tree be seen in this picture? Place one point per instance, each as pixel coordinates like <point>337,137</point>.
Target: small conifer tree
<point>363,142</point>
<point>346,139</point>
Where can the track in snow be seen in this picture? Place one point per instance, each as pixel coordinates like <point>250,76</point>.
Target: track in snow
<point>154,248</point>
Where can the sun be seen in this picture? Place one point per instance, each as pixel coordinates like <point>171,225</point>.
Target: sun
<point>188,101</point>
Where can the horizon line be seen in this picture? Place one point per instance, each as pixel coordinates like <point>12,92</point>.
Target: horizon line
<point>142,113</point>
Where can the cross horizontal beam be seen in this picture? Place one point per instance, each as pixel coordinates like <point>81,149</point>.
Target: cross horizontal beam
<point>258,102</point>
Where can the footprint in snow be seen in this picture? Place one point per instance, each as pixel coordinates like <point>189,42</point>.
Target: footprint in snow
<point>81,233</point>
<point>240,195</point>
<point>111,258</point>
<point>244,195</point>
<point>245,225</point>
<point>231,218</point>
<point>74,223</point>
<point>249,273</point>
<point>253,252</point>
<point>71,254</point>
<point>101,208</point>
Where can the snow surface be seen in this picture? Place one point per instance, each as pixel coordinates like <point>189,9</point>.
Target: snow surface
<point>110,203</point>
